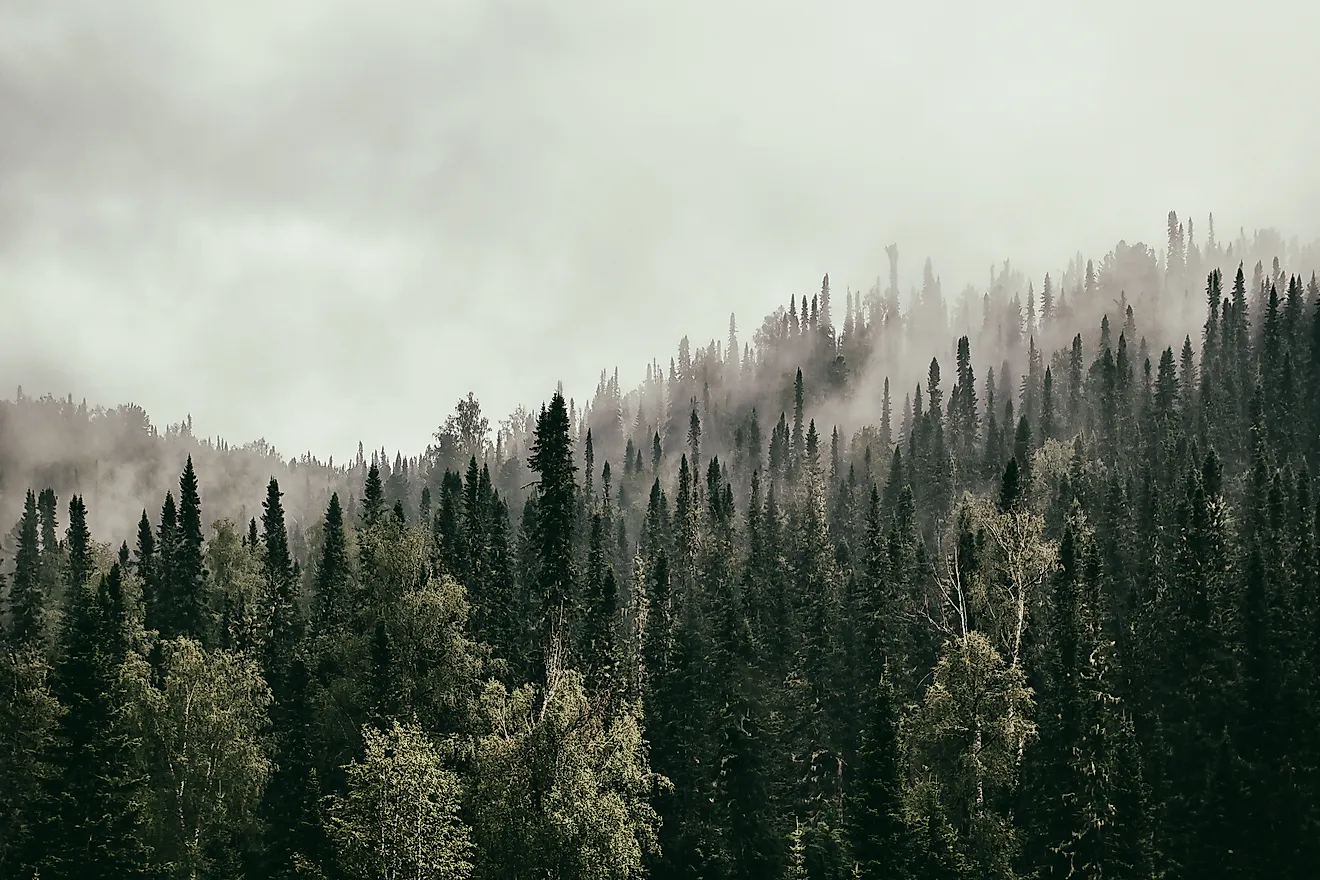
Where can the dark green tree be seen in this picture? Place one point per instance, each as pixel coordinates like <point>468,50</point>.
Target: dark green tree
<point>333,607</point>
<point>600,649</point>
<point>552,459</point>
<point>27,601</point>
<point>877,827</point>
<point>95,803</point>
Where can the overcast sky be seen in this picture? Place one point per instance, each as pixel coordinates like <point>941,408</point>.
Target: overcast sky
<point>322,221</point>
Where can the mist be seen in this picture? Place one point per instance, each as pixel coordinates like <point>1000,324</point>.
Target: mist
<point>739,440</point>
<point>287,224</point>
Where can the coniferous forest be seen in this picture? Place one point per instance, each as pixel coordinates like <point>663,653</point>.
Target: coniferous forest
<point>1022,582</point>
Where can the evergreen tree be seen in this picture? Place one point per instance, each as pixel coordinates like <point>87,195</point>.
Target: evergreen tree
<point>552,459</point>
<point>27,601</point>
<point>179,596</point>
<point>281,594</point>
<point>95,802</point>
<point>600,653</point>
<point>333,606</point>
<point>877,830</point>
<point>373,497</point>
<point>160,594</point>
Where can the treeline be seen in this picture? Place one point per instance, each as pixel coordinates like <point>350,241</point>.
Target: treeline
<point>1060,622</point>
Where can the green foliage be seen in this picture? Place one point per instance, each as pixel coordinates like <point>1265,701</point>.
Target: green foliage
<point>29,713</point>
<point>203,726</point>
<point>965,741</point>
<point>239,588</point>
<point>1066,627</point>
<point>561,789</point>
<point>27,602</point>
<point>333,609</point>
<point>399,817</point>
<point>552,458</point>
<point>95,801</point>
<point>878,831</point>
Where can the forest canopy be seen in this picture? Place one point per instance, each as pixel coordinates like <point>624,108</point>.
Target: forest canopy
<point>1019,583</point>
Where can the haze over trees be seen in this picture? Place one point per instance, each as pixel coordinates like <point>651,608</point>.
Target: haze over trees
<point>1023,582</point>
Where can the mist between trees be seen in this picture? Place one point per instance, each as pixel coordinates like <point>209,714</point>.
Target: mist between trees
<point>822,602</point>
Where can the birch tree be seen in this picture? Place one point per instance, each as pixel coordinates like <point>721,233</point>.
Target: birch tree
<point>399,818</point>
<point>204,728</point>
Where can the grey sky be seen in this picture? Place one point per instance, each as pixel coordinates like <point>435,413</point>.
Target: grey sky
<point>319,221</point>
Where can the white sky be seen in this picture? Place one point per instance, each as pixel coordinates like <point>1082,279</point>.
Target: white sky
<point>322,221</point>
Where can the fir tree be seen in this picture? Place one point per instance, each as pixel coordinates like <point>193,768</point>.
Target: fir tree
<point>599,645</point>
<point>373,497</point>
<point>552,459</point>
<point>333,608</point>
<point>95,803</point>
<point>877,827</point>
<point>160,610</point>
<point>180,600</point>
<point>27,601</point>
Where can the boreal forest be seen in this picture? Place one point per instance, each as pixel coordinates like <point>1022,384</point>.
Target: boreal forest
<point>1018,581</point>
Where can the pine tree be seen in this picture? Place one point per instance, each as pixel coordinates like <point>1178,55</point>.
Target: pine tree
<point>552,459</point>
<point>296,833</point>
<point>95,804</point>
<point>160,596</point>
<point>1047,414</point>
<point>1010,489</point>
<point>600,652</point>
<point>373,497</point>
<point>333,603</point>
<point>281,594</point>
<point>290,803</point>
<point>877,827</point>
<point>886,430</point>
<point>28,716</point>
<point>78,541</point>
<point>145,555</point>
<point>27,600</point>
<point>799,440</point>
<point>179,598</point>
<point>51,568</point>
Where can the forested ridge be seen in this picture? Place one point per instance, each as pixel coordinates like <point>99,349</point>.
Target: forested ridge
<point>1019,583</point>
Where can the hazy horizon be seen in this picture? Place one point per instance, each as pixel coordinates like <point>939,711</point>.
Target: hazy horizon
<point>200,210</point>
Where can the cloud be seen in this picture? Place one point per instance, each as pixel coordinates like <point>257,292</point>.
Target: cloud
<point>319,221</point>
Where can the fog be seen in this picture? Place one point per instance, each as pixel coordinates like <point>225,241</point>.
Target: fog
<point>324,222</point>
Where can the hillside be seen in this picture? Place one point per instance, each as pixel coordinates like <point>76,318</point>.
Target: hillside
<point>1018,581</point>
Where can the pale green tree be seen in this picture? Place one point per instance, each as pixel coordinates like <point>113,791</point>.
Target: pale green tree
<point>964,742</point>
<point>399,818</point>
<point>28,716</point>
<point>203,727</point>
<point>237,585</point>
<point>563,787</point>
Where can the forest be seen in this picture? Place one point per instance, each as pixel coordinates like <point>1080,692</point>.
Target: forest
<point>1022,582</point>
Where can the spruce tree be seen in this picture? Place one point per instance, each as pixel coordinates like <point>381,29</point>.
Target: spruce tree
<point>51,573</point>
<point>27,600</point>
<point>332,609</point>
<point>373,497</point>
<point>161,597</point>
<point>295,840</point>
<point>78,541</point>
<point>290,801</point>
<point>281,594</point>
<point>877,827</point>
<point>552,459</point>
<point>600,654</point>
<point>179,596</point>
<point>799,439</point>
<point>1010,488</point>
<point>95,802</point>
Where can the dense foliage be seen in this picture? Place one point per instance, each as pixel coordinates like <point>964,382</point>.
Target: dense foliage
<point>1061,621</point>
